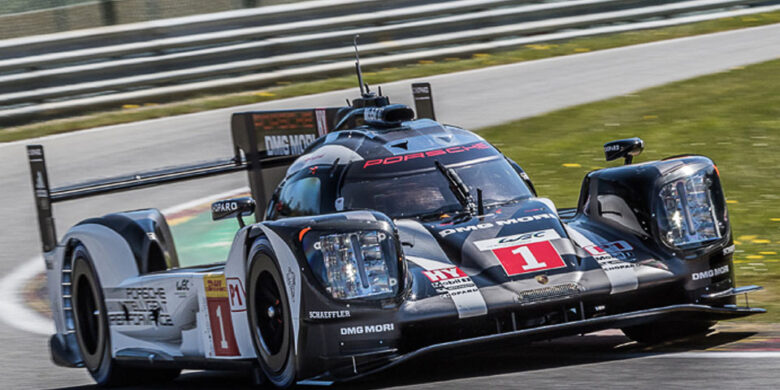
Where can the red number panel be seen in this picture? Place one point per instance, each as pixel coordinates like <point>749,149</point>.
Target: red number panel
<point>537,256</point>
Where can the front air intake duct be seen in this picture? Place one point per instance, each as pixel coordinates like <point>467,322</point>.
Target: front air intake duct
<point>388,116</point>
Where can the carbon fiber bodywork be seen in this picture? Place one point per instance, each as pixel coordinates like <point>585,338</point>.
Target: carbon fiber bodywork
<point>465,256</point>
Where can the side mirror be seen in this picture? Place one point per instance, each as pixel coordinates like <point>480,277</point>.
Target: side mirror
<point>626,148</point>
<point>229,208</point>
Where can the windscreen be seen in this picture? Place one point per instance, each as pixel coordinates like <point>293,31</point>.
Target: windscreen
<point>426,192</point>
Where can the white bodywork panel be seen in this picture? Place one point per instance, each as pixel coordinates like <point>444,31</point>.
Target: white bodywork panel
<point>197,312</point>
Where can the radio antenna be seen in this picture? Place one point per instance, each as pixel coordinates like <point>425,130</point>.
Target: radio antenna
<point>357,67</point>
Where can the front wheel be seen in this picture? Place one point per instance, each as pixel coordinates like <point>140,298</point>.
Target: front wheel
<point>269,318</point>
<point>92,333</point>
<point>658,332</point>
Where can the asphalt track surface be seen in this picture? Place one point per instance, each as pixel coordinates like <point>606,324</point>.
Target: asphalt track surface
<point>471,99</point>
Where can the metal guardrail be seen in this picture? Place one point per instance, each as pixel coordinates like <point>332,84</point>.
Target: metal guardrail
<point>318,47</point>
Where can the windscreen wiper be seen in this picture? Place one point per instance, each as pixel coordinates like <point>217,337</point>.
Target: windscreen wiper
<point>458,188</point>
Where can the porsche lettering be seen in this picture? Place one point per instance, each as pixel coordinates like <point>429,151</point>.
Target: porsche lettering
<point>428,154</point>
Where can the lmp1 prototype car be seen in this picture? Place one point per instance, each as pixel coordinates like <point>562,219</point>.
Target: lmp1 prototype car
<point>388,237</point>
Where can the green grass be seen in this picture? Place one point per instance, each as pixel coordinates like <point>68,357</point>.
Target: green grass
<point>200,240</point>
<point>733,117</point>
<point>141,110</point>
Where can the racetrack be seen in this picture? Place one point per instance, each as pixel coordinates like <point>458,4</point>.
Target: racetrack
<point>471,99</point>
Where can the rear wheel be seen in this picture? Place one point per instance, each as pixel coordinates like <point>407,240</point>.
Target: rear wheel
<point>269,318</point>
<point>92,334</point>
<point>658,332</point>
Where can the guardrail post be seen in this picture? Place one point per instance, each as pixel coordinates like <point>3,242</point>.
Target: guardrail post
<point>108,11</point>
<point>60,15</point>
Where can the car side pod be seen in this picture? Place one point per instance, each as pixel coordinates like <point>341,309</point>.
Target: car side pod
<point>229,208</point>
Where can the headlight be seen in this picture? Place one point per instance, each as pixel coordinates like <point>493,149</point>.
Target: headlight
<point>687,214</point>
<point>361,264</point>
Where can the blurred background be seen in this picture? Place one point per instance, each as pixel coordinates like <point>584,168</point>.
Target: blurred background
<point>19,18</point>
<point>110,87</point>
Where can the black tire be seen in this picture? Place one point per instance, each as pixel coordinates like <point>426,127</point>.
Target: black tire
<point>659,332</point>
<point>92,334</point>
<point>269,318</point>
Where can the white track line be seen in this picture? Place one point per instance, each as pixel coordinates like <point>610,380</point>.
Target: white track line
<point>12,309</point>
<point>15,313</point>
<point>721,355</point>
<point>205,199</point>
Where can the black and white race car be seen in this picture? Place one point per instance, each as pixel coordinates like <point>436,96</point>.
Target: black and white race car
<point>388,237</point>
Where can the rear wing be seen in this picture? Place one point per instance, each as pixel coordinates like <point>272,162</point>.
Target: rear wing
<point>265,143</point>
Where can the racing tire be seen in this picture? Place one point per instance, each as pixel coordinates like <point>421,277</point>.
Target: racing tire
<point>92,333</point>
<point>659,332</point>
<point>270,321</point>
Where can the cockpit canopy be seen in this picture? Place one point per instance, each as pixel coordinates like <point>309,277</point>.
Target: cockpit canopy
<point>403,185</point>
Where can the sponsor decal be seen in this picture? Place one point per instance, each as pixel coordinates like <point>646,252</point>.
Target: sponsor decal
<point>224,207</point>
<point>428,154</point>
<point>710,273</point>
<point>437,275</point>
<point>237,294</point>
<point>220,320</point>
<point>291,283</point>
<point>287,145</point>
<point>523,238</point>
<point>183,285</point>
<point>366,329</point>
<point>622,276</point>
<point>728,250</point>
<point>612,256</point>
<point>488,225</point>
<point>612,148</point>
<point>608,263</point>
<point>452,282</point>
<point>322,121</point>
<point>420,89</point>
<point>182,288</point>
<point>289,120</point>
<point>372,114</point>
<point>620,250</point>
<point>329,314</point>
<point>142,306</point>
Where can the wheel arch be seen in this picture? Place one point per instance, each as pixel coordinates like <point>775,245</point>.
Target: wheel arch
<point>237,266</point>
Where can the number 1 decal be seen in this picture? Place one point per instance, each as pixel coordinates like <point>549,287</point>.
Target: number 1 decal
<point>223,339</point>
<point>537,256</point>
<point>530,260</point>
<point>222,343</point>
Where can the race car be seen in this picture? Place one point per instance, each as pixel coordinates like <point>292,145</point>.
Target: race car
<point>388,235</point>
